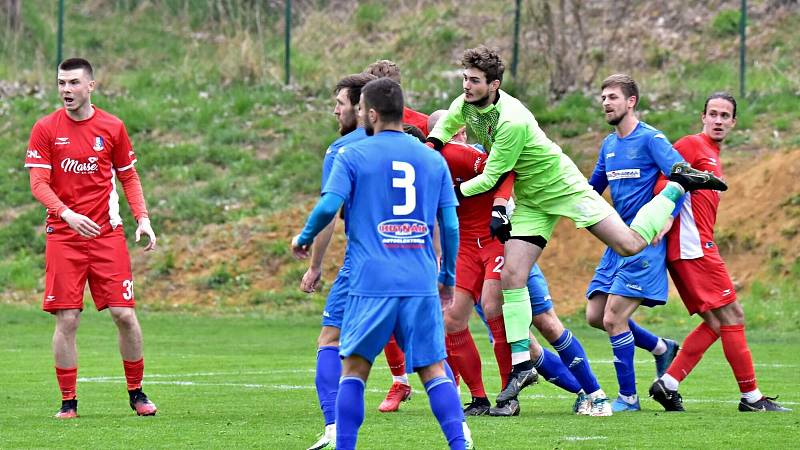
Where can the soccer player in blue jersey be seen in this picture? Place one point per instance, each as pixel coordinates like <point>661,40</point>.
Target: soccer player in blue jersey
<point>630,161</point>
<point>395,189</point>
<point>329,366</point>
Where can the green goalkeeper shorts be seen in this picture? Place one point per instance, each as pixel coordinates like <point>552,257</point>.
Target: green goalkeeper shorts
<point>585,208</point>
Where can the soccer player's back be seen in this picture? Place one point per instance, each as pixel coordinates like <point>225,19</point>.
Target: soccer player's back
<point>395,188</point>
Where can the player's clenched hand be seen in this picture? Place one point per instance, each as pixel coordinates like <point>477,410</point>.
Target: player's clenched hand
<point>144,227</point>
<point>500,226</point>
<point>447,295</point>
<point>310,281</point>
<point>81,224</point>
<point>300,251</point>
<point>663,232</point>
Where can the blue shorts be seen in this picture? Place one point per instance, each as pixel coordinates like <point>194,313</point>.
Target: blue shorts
<point>416,323</point>
<point>333,314</point>
<point>538,291</point>
<point>643,275</point>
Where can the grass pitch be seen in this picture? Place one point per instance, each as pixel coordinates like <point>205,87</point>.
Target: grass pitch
<point>248,382</point>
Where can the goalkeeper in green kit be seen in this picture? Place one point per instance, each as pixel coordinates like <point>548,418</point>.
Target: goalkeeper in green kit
<point>548,186</point>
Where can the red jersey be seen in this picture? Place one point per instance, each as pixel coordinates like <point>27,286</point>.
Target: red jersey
<point>417,119</point>
<point>83,157</point>
<point>692,233</point>
<point>474,213</point>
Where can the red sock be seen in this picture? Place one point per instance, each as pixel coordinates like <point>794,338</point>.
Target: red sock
<point>692,350</point>
<point>395,358</point>
<point>134,371</point>
<point>734,344</point>
<point>67,382</point>
<point>448,342</point>
<point>502,349</point>
<point>468,360</point>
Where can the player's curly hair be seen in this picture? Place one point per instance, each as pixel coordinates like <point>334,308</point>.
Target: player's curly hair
<point>486,60</point>
<point>724,96</point>
<point>384,68</point>
<point>625,83</point>
<point>353,83</point>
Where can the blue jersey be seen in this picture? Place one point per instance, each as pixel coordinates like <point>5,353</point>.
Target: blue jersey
<point>393,187</point>
<point>327,164</point>
<point>631,166</point>
<point>333,150</point>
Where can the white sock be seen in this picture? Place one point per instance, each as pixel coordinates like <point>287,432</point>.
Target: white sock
<point>400,379</point>
<point>520,357</point>
<point>670,382</point>
<point>661,347</point>
<point>629,399</point>
<point>330,431</point>
<point>752,396</point>
<point>597,394</point>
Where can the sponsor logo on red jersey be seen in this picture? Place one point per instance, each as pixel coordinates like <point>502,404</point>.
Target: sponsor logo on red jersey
<point>34,154</point>
<point>70,165</point>
<point>62,141</point>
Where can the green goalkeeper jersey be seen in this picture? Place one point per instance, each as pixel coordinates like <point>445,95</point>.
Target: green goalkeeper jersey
<point>512,137</point>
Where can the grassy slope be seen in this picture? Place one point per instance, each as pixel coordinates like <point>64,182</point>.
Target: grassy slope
<point>220,139</point>
<point>247,382</point>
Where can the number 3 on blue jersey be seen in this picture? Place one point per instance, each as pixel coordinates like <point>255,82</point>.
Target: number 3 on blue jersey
<point>406,183</point>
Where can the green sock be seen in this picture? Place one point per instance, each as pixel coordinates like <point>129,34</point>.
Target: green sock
<point>522,346</point>
<point>517,314</point>
<point>652,217</point>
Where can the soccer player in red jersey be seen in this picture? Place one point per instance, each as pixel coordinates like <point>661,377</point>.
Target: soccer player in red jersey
<point>400,390</point>
<point>480,260</point>
<point>75,156</point>
<point>700,275</point>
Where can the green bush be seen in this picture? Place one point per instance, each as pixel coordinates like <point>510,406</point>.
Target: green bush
<point>726,23</point>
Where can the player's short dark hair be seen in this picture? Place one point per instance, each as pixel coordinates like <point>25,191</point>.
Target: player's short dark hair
<point>384,68</point>
<point>77,63</point>
<point>486,60</point>
<point>354,83</point>
<point>625,83</point>
<point>414,131</point>
<point>724,96</point>
<point>385,96</point>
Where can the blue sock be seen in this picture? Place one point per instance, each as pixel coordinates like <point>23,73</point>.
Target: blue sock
<point>446,406</point>
<point>623,347</point>
<point>449,372</point>
<point>329,369</point>
<point>479,310</point>
<point>643,338</point>
<point>574,357</point>
<point>553,370</point>
<point>349,412</point>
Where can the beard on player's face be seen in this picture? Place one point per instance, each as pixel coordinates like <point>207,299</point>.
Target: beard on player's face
<point>615,120</point>
<point>368,128</point>
<point>347,122</point>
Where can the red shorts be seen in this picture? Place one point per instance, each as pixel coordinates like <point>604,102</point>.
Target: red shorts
<point>103,261</point>
<point>703,283</point>
<point>478,260</point>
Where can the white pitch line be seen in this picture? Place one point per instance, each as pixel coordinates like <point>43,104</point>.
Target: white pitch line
<point>296,387</point>
<point>585,438</point>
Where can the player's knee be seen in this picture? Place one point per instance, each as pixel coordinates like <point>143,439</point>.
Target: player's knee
<point>513,278</point>
<point>124,317</point>
<point>594,319</point>
<point>328,338</point>
<point>67,325</point>
<point>613,325</point>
